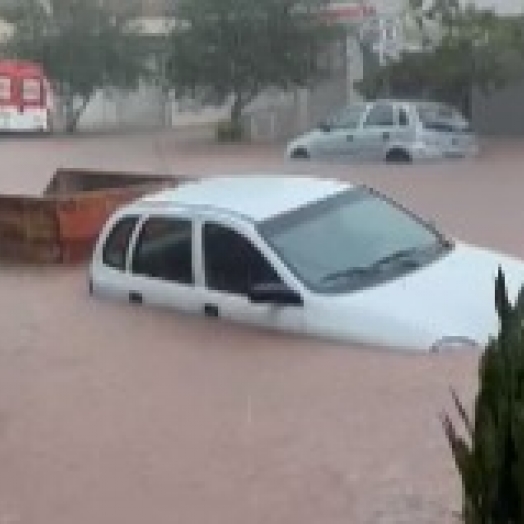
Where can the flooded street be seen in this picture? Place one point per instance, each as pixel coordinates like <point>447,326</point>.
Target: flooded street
<point>112,413</point>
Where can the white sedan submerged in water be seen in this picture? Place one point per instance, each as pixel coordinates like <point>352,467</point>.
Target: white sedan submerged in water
<point>307,255</point>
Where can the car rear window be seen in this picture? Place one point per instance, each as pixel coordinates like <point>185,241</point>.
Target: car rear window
<point>115,248</point>
<point>441,117</point>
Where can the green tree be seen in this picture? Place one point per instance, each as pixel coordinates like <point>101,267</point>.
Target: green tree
<point>474,49</point>
<point>490,458</point>
<point>238,48</point>
<point>10,10</point>
<point>82,45</point>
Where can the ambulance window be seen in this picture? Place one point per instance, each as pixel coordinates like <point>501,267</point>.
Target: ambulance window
<point>31,90</point>
<point>5,88</point>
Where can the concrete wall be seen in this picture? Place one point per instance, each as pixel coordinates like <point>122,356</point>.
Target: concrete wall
<point>501,113</point>
<point>111,108</point>
<point>145,108</point>
<point>279,116</point>
<point>276,117</point>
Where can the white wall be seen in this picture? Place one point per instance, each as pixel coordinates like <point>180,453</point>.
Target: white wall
<point>500,6</point>
<point>145,108</point>
<point>500,113</point>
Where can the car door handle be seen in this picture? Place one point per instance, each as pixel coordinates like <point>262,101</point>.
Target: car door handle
<point>211,310</point>
<point>386,135</point>
<point>135,297</point>
<point>349,138</point>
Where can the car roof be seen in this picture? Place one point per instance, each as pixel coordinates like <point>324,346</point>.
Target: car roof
<point>254,197</point>
<point>408,101</point>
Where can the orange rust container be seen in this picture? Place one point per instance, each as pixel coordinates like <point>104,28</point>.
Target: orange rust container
<point>62,225</point>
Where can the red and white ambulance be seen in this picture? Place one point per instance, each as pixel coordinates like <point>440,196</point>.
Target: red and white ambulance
<point>26,97</point>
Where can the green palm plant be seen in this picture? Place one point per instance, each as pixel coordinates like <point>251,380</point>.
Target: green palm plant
<point>490,457</point>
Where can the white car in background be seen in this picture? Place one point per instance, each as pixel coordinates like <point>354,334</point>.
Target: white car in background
<point>390,130</point>
<point>313,256</point>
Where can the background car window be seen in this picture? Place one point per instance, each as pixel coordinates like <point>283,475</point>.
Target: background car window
<point>403,118</point>
<point>115,249</point>
<point>381,115</point>
<point>440,117</point>
<point>349,118</point>
<point>232,263</point>
<point>164,250</point>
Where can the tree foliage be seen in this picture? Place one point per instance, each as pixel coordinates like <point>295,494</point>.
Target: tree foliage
<point>475,48</point>
<point>490,459</point>
<point>238,48</point>
<point>82,47</point>
<point>10,10</point>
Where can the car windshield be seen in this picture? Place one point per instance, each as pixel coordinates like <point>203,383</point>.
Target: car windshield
<point>351,240</point>
<point>441,117</point>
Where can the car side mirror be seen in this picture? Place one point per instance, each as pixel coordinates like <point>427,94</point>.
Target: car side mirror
<point>275,293</point>
<point>326,127</point>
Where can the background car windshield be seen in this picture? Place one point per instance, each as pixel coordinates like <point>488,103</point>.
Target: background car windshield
<point>345,234</point>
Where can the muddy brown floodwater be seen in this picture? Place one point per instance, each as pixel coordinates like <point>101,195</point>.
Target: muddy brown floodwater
<point>113,414</point>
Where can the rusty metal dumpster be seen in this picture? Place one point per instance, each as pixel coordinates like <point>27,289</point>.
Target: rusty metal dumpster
<point>61,226</point>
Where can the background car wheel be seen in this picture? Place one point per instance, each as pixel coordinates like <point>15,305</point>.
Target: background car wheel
<point>398,156</point>
<point>300,154</point>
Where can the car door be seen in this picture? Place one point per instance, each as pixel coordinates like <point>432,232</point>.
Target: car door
<point>337,137</point>
<point>377,132</point>
<point>161,269</point>
<point>231,263</point>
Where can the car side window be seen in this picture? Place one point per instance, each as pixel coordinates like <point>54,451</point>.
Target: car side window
<point>349,118</point>
<point>164,250</point>
<point>403,117</point>
<point>381,115</point>
<point>117,242</point>
<point>232,264</point>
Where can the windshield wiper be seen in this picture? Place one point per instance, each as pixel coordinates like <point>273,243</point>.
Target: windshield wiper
<point>408,258</point>
<point>351,272</point>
